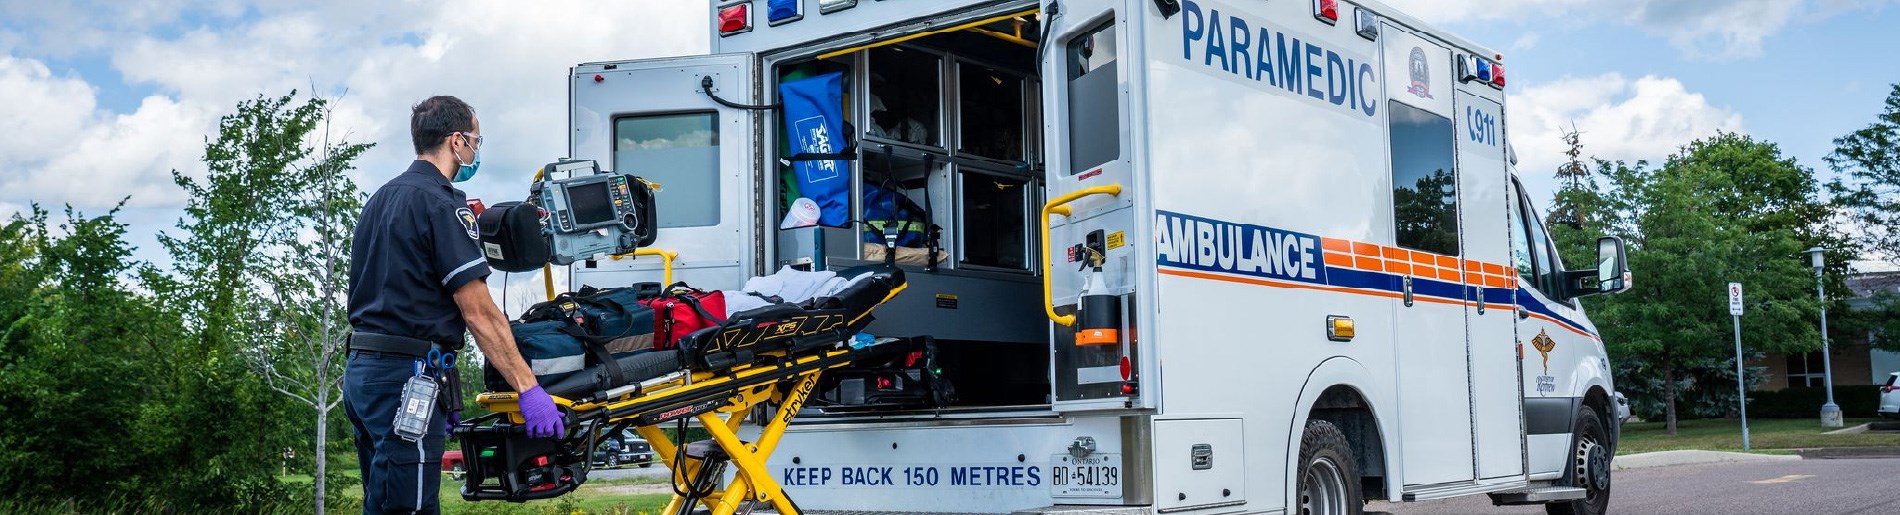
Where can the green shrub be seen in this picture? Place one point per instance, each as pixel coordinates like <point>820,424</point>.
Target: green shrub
<point>1856,401</point>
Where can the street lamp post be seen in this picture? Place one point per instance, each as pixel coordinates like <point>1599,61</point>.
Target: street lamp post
<point>1830,412</point>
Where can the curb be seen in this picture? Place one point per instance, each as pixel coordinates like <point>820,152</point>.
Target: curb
<point>1849,452</point>
<point>1674,458</point>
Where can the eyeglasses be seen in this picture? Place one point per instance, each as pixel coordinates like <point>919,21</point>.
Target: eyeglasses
<point>476,137</point>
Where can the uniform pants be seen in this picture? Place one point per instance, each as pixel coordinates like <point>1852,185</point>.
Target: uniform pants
<point>399,476</point>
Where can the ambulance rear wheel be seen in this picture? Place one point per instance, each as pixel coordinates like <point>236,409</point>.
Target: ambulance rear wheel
<point>1328,475</point>
<point>1589,467</point>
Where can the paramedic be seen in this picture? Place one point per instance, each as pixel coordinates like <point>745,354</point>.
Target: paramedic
<point>417,283</point>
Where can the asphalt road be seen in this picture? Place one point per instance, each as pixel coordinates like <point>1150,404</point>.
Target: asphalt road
<point>1814,486</point>
<point>627,472</point>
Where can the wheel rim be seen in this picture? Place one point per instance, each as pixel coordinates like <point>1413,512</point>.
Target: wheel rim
<point>1323,489</point>
<point>1592,463</point>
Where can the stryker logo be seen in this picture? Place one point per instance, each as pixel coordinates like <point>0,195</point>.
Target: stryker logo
<point>1231,44</point>
<point>1183,241</point>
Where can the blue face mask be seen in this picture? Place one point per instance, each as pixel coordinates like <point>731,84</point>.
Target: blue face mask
<point>467,171</point>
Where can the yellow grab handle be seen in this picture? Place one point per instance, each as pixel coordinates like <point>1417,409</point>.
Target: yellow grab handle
<point>1060,206</point>
<point>666,260</point>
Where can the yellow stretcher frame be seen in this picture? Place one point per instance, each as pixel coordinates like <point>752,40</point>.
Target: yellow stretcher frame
<point>788,383</point>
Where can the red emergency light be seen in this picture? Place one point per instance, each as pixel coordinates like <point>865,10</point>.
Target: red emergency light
<point>1326,11</point>
<point>735,18</point>
<point>1497,74</point>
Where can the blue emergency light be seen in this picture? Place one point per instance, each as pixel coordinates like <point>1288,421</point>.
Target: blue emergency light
<point>1484,70</point>
<point>781,11</point>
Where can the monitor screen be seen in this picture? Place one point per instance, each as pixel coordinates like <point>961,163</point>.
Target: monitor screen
<point>590,203</point>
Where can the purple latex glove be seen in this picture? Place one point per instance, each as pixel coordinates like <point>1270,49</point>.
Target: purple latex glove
<point>453,418</point>
<point>544,420</point>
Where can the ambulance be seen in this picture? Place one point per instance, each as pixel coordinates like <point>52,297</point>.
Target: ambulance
<point>1194,256</point>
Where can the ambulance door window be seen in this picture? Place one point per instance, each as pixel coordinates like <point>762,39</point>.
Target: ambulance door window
<point>1544,278</point>
<point>1094,99</point>
<point>680,152</point>
<point>990,112</point>
<point>1520,239</point>
<point>1424,186</point>
<point>906,95</point>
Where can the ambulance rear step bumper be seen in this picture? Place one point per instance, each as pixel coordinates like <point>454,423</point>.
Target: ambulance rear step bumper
<point>1537,495</point>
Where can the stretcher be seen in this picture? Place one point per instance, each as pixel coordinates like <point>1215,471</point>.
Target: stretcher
<point>771,356</point>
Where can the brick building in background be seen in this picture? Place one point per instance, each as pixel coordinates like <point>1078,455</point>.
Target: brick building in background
<point>1855,363</point>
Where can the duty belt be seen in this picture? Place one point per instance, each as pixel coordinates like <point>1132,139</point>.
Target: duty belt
<point>392,344</point>
<point>443,371</point>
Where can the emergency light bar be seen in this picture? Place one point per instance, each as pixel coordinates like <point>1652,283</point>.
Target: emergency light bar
<point>735,19</point>
<point>1326,11</point>
<point>832,6</point>
<point>1473,68</point>
<point>1366,23</point>
<point>783,11</point>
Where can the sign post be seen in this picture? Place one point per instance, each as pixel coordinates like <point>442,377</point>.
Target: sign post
<point>1741,382</point>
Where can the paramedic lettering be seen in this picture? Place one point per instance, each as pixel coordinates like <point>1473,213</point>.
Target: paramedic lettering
<point>1273,56</point>
<point>1210,245</point>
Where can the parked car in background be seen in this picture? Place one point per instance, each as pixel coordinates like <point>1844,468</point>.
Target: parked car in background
<point>452,463</point>
<point>624,450</point>
<point>1890,397</point>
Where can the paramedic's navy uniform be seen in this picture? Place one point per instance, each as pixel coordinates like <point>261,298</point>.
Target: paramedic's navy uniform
<point>415,245</point>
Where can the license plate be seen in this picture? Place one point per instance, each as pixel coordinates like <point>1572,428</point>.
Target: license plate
<point>1097,475</point>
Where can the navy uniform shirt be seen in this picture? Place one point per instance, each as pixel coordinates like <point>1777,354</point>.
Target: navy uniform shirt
<point>416,244</point>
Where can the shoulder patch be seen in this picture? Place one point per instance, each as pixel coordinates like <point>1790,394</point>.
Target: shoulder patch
<point>468,222</point>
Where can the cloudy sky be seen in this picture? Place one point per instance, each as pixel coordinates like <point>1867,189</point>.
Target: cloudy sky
<point>100,100</point>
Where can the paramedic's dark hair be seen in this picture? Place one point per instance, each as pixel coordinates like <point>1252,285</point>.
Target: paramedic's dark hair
<point>436,118</point>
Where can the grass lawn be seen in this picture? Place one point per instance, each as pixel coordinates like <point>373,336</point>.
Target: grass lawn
<point>1764,434</point>
<point>596,497</point>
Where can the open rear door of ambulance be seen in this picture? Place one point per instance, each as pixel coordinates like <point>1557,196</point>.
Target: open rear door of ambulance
<point>680,123</point>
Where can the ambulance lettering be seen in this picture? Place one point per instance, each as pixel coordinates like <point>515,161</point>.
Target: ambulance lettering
<point>1196,243</point>
<point>1264,53</point>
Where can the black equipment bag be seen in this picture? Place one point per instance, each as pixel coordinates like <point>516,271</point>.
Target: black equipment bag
<point>899,374</point>
<point>585,332</point>
<point>511,237</point>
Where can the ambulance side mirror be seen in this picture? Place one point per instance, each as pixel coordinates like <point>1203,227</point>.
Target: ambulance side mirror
<point>1611,274</point>
<point>1612,265</point>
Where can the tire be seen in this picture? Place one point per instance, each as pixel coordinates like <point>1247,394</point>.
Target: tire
<point>646,465</point>
<point>1589,467</point>
<point>457,473</point>
<point>1328,476</point>
<point>613,461</point>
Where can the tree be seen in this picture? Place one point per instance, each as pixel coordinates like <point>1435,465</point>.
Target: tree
<point>267,252</point>
<point>1870,193</point>
<point>1727,208</point>
<point>100,400</point>
<point>1870,159</point>
<point>304,313</point>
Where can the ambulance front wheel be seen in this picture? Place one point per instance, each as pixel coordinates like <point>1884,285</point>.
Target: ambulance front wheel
<point>1589,467</point>
<point>1328,474</point>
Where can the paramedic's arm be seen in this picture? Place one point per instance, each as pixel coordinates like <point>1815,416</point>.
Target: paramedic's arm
<point>492,335</point>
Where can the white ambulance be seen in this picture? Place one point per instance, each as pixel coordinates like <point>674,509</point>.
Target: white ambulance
<point>1307,276</point>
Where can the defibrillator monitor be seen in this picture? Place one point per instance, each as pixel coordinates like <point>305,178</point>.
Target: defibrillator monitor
<point>591,212</point>
<point>593,203</point>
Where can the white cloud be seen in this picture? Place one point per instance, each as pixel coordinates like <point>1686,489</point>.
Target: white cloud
<point>498,55</point>
<point>1525,42</point>
<point>1710,29</point>
<point>61,149</point>
<point>1621,119</point>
